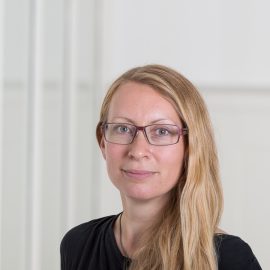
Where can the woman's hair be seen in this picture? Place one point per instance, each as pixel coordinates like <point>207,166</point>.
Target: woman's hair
<point>183,238</point>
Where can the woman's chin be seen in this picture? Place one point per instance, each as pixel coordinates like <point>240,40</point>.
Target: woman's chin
<point>143,195</point>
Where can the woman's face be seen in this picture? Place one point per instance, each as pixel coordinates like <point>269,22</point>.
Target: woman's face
<point>139,170</point>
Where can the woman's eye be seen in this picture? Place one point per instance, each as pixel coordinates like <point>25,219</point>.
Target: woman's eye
<point>162,132</point>
<point>122,129</point>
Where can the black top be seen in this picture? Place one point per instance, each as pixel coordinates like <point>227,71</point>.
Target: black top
<point>92,246</point>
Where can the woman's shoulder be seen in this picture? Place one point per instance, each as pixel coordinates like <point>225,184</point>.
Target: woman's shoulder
<point>77,236</point>
<point>234,253</point>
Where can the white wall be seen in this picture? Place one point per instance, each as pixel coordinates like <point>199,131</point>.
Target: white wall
<point>58,59</point>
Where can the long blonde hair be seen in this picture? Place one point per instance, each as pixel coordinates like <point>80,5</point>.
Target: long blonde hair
<point>184,236</point>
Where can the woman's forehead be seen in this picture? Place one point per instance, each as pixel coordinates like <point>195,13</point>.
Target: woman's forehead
<point>141,102</point>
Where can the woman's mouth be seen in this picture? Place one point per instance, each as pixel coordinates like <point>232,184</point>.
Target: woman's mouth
<point>138,174</point>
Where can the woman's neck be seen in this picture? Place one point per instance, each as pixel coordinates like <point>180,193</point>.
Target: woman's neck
<point>137,217</point>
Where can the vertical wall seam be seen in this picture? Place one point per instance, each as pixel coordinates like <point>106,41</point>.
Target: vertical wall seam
<point>34,122</point>
<point>69,113</point>
<point>97,84</point>
<point>1,120</point>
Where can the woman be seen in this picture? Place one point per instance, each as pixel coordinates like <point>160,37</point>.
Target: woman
<point>156,138</point>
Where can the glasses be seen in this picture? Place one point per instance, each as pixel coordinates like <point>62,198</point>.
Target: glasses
<point>157,134</point>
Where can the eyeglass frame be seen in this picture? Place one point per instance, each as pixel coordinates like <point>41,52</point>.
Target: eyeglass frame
<point>181,132</point>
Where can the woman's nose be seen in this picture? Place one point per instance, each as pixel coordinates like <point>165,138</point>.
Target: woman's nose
<point>140,147</point>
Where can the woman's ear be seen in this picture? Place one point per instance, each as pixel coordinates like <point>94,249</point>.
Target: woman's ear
<point>100,139</point>
<point>102,147</point>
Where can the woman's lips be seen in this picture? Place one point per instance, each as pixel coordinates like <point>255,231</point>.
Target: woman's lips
<point>138,174</point>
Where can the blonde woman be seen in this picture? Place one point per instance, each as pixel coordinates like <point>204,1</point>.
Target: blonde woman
<point>156,138</point>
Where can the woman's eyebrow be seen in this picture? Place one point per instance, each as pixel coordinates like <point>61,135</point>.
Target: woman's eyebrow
<point>129,120</point>
<point>122,119</point>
